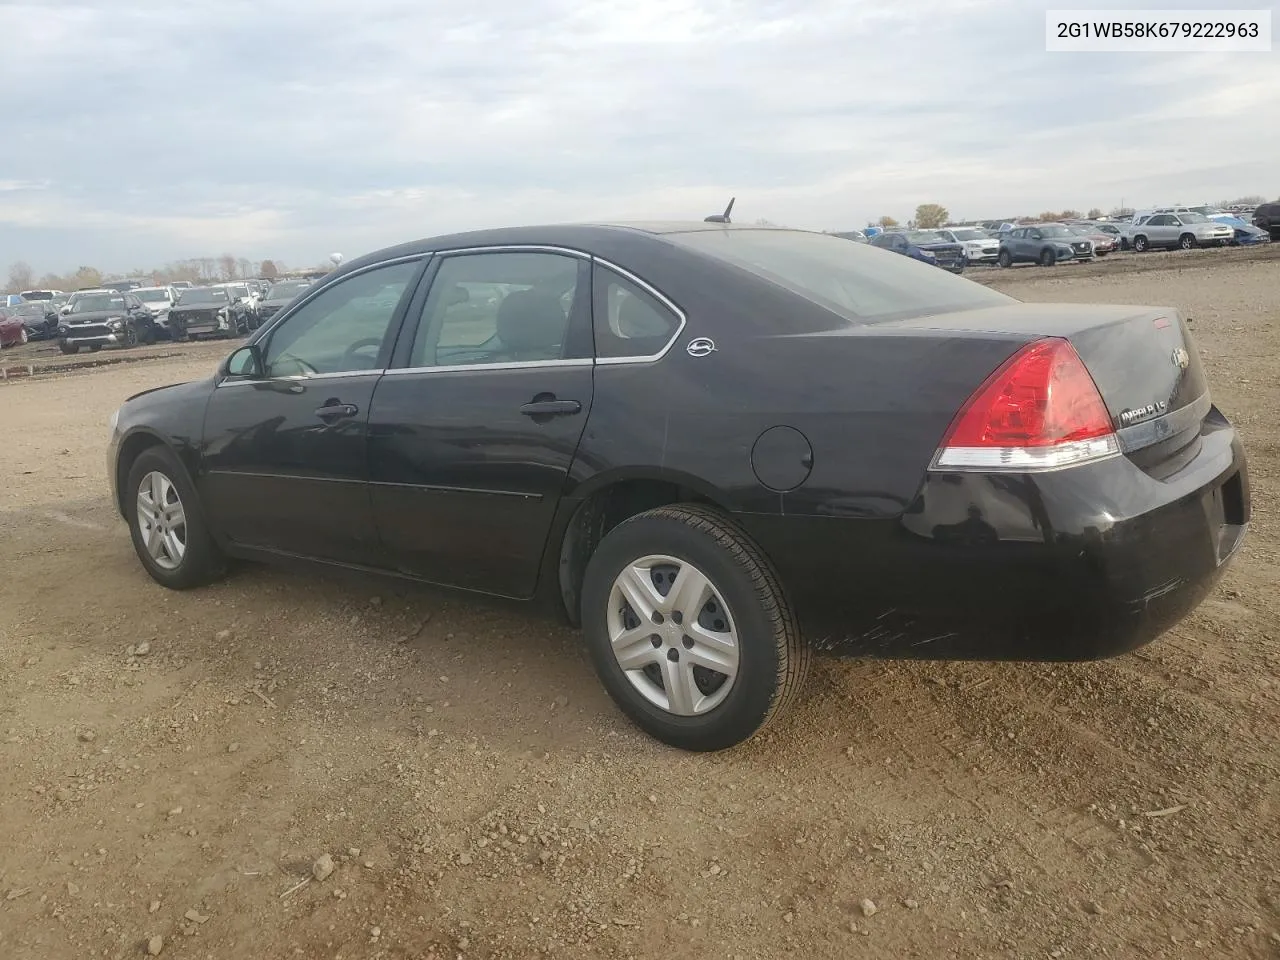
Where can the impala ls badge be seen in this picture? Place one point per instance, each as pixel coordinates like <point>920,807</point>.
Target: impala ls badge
<point>1181,359</point>
<point>1142,413</point>
<point>700,347</point>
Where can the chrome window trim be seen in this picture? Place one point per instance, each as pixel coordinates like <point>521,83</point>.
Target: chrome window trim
<point>516,248</point>
<point>503,365</point>
<point>228,381</point>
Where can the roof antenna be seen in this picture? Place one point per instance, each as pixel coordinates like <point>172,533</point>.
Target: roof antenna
<point>722,217</point>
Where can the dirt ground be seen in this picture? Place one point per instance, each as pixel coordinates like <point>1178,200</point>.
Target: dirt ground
<point>173,764</point>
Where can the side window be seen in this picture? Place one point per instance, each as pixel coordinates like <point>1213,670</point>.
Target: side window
<point>343,329</point>
<point>628,320</point>
<point>497,308</point>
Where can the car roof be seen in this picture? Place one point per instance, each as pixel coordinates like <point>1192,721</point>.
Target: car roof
<point>585,236</point>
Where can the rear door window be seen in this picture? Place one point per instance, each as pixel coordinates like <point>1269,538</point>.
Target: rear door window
<point>629,321</point>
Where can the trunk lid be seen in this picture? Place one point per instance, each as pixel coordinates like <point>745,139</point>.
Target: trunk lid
<point>1143,360</point>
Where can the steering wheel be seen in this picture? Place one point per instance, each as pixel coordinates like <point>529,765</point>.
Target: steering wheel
<point>350,357</point>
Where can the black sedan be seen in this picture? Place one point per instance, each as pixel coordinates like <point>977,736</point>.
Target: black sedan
<point>40,317</point>
<point>716,448</point>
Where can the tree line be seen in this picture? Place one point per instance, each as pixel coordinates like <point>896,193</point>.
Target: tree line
<point>198,270</point>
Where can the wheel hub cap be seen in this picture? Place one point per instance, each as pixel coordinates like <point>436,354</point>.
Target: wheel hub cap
<point>162,520</point>
<point>672,635</point>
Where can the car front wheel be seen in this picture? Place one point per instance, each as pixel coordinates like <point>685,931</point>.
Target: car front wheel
<point>689,629</point>
<point>1005,259</point>
<point>1140,244</point>
<point>1186,241</point>
<point>1048,258</point>
<point>167,524</point>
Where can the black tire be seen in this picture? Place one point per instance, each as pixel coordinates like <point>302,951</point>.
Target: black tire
<point>202,562</point>
<point>1048,258</point>
<point>130,336</point>
<point>1187,242</point>
<point>774,659</point>
<point>152,335</point>
<point>1140,244</point>
<point>1004,259</point>
<point>69,347</point>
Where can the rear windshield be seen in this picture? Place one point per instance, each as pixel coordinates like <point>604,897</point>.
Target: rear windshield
<point>202,295</point>
<point>861,283</point>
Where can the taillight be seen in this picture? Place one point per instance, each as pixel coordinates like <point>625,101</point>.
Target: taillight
<point>1039,411</point>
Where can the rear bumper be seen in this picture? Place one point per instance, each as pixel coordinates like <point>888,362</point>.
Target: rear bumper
<point>1077,564</point>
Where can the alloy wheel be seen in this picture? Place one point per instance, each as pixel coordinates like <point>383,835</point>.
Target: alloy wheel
<point>162,520</point>
<point>672,635</point>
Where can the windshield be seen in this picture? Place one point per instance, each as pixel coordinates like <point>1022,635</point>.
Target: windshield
<point>37,295</point>
<point>968,233</point>
<point>97,302</point>
<point>32,309</point>
<point>152,296</point>
<point>287,289</point>
<point>926,236</point>
<point>1193,218</point>
<point>859,283</point>
<point>1054,230</point>
<point>1081,229</point>
<point>203,295</point>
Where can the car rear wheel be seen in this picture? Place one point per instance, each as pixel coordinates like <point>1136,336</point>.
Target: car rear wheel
<point>69,347</point>
<point>689,629</point>
<point>23,337</point>
<point>167,524</point>
<point>1186,241</point>
<point>1004,259</point>
<point>1140,244</point>
<point>1048,258</point>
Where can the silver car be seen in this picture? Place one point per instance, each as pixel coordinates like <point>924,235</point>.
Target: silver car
<point>1178,230</point>
<point>979,246</point>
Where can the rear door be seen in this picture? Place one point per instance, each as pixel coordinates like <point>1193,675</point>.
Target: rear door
<point>1161,230</point>
<point>473,430</point>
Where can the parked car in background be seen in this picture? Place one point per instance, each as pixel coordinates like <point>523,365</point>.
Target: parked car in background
<point>40,318</point>
<point>1103,242</point>
<point>1047,244</point>
<point>694,439</point>
<point>181,284</point>
<point>77,295</point>
<point>857,236</point>
<point>977,244</point>
<point>208,312</point>
<point>927,246</point>
<point>1172,231</point>
<point>159,300</point>
<point>1246,234</point>
<point>284,292</point>
<point>1266,216</point>
<point>247,296</point>
<point>127,283</point>
<point>11,299</point>
<point>39,294</point>
<point>109,318</point>
<point>13,331</point>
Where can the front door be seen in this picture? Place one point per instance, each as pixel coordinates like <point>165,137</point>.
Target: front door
<point>474,429</point>
<point>285,464</point>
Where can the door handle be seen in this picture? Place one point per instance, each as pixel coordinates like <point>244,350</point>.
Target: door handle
<point>550,408</point>
<point>337,411</point>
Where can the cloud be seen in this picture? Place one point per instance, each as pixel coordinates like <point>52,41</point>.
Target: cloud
<point>146,130</point>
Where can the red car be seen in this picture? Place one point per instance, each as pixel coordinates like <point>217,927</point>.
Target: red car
<point>12,329</point>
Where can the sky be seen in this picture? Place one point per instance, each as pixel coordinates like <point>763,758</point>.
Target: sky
<point>138,132</point>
